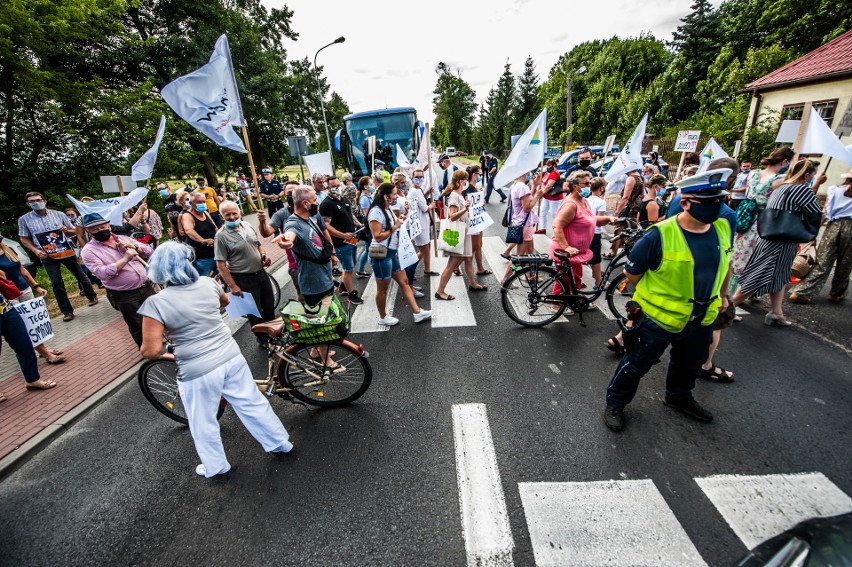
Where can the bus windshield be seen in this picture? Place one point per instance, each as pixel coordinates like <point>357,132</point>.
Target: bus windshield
<point>389,129</point>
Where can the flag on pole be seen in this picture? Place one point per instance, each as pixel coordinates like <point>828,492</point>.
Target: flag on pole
<point>319,163</point>
<point>527,153</point>
<point>819,139</point>
<point>630,159</point>
<point>710,152</point>
<point>208,98</point>
<point>144,166</point>
<point>401,159</point>
<point>112,208</point>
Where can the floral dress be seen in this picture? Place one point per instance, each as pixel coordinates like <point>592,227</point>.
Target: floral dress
<point>744,242</point>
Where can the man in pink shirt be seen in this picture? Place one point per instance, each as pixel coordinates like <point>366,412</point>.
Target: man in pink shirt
<point>117,262</point>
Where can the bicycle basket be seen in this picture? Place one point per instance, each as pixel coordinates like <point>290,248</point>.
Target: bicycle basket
<point>325,322</point>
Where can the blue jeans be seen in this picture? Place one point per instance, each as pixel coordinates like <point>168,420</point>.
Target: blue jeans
<point>489,188</point>
<point>689,351</point>
<point>346,255</point>
<point>362,260</point>
<point>14,330</point>
<point>384,269</point>
<point>204,266</point>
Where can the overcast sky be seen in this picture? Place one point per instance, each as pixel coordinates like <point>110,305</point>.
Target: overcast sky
<point>393,47</point>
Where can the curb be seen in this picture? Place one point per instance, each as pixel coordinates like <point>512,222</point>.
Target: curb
<point>31,447</point>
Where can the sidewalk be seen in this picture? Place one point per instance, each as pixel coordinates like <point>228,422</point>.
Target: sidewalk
<point>98,351</point>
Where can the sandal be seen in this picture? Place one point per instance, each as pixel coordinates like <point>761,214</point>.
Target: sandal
<point>448,298</point>
<point>53,358</point>
<point>431,273</point>
<point>457,272</point>
<point>315,355</point>
<point>612,344</point>
<point>717,374</point>
<point>3,398</point>
<point>41,385</point>
<point>480,288</point>
<point>483,273</point>
<point>607,255</point>
<point>505,257</point>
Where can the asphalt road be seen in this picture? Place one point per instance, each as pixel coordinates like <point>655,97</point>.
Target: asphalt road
<point>376,483</point>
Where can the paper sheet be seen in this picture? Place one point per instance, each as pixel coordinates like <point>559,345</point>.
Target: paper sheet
<point>241,306</point>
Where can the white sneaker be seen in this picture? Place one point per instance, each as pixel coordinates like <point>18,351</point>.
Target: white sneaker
<point>200,470</point>
<point>422,316</point>
<point>418,294</point>
<point>389,321</point>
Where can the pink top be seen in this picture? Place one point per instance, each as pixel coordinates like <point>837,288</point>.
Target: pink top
<point>579,232</point>
<point>101,259</point>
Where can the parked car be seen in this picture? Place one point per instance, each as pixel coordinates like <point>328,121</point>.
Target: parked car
<point>450,151</point>
<point>570,158</point>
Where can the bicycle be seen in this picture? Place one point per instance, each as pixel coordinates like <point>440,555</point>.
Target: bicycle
<point>528,295</point>
<point>301,374</point>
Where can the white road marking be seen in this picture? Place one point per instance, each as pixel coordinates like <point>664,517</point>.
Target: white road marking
<point>741,312</point>
<point>455,313</point>
<point>365,319</point>
<point>760,507</point>
<point>485,521</point>
<point>616,522</point>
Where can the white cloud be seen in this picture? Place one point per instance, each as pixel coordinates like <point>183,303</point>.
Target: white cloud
<point>393,47</point>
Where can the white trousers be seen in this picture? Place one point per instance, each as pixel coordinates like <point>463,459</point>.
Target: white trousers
<point>548,209</point>
<point>234,382</point>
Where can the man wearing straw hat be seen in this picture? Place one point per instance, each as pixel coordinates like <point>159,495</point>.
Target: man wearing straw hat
<point>118,262</point>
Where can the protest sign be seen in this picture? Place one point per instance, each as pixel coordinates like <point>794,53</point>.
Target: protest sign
<point>414,227</point>
<point>35,316</point>
<point>788,131</point>
<point>687,140</point>
<point>407,252</point>
<point>479,218</point>
<point>117,184</point>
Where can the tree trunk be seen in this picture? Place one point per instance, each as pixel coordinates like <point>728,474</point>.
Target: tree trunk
<point>209,170</point>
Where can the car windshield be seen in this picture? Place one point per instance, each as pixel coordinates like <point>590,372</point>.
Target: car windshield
<point>389,130</point>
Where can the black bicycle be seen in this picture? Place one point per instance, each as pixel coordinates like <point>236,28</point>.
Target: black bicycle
<point>541,289</point>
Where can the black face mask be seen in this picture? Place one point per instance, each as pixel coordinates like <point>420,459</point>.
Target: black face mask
<point>706,213</point>
<point>290,201</point>
<point>102,235</point>
<point>314,209</point>
<point>584,163</point>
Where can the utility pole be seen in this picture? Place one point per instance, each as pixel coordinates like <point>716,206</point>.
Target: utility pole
<point>569,115</point>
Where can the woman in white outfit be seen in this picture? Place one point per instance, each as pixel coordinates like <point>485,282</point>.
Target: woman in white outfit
<point>423,209</point>
<point>210,365</point>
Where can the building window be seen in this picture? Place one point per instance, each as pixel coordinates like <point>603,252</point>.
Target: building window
<point>826,109</point>
<point>792,112</point>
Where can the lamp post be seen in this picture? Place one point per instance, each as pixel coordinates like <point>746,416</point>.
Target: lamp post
<point>340,39</point>
<point>569,111</point>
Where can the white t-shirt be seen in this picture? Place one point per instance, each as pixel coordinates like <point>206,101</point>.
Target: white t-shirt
<point>384,217</point>
<point>597,205</point>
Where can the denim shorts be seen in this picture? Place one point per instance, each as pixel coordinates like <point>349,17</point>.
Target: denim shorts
<point>346,254</point>
<point>383,269</point>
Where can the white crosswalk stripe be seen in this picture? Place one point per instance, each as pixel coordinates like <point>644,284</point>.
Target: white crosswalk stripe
<point>455,313</point>
<point>760,507</point>
<point>616,522</point>
<point>365,319</point>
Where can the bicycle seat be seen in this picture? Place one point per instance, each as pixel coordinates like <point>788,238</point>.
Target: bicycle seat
<point>271,328</point>
<point>561,255</point>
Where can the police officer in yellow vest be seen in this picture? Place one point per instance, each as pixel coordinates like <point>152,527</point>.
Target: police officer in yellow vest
<point>680,271</point>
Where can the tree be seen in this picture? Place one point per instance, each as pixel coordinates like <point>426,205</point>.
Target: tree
<point>496,128</point>
<point>527,105</point>
<point>696,42</point>
<point>454,105</point>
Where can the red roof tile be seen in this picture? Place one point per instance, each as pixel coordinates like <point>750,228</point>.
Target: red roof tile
<point>833,58</point>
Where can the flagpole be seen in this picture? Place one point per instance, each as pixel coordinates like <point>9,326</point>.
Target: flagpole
<point>538,212</point>
<point>434,227</point>
<point>251,166</point>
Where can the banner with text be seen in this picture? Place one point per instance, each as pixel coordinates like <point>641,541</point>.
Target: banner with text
<point>479,218</point>
<point>407,252</point>
<point>687,140</point>
<point>35,316</point>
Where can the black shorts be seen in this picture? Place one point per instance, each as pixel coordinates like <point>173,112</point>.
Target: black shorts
<point>312,299</point>
<point>595,247</point>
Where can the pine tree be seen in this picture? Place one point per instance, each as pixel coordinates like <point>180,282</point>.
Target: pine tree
<point>497,126</point>
<point>454,106</point>
<point>527,105</point>
<point>696,42</point>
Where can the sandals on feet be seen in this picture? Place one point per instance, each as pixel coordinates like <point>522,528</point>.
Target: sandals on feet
<point>717,374</point>
<point>615,346</point>
<point>3,398</point>
<point>53,358</point>
<point>448,298</point>
<point>431,273</point>
<point>41,385</point>
<point>480,288</point>
<point>483,273</point>
<point>506,257</point>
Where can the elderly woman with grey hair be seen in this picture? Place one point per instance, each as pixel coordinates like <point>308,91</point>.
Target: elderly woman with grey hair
<point>210,364</point>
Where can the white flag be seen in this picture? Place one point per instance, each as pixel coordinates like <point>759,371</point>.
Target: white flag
<point>112,208</point>
<point>401,160</point>
<point>144,166</point>
<point>422,161</point>
<point>819,139</point>
<point>527,153</point>
<point>630,159</point>
<point>208,98</point>
<point>710,152</point>
<point>319,163</point>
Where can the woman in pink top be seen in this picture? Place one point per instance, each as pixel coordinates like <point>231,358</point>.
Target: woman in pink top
<point>574,226</point>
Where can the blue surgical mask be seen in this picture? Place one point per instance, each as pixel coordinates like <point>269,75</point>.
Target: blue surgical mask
<point>418,181</point>
<point>164,192</point>
<point>234,224</point>
<point>528,178</point>
<point>661,192</point>
<point>784,169</point>
<point>201,207</point>
<point>586,192</point>
<point>646,177</point>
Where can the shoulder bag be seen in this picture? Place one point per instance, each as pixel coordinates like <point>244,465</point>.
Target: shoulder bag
<point>746,214</point>
<point>380,251</point>
<point>515,234</point>
<point>781,225</point>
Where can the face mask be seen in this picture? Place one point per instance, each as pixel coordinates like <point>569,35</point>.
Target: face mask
<point>584,163</point>
<point>585,192</point>
<point>201,207</point>
<point>37,206</point>
<point>646,177</point>
<point>746,169</point>
<point>465,185</point>
<point>370,189</point>
<point>335,190</point>
<point>290,201</point>
<point>705,213</point>
<point>72,218</point>
<point>102,235</point>
<point>782,170</point>
<point>325,185</point>
<point>661,192</point>
<point>164,192</point>
<point>404,188</point>
<point>234,224</point>
<point>418,181</point>
<point>550,168</point>
<point>314,209</point>
<point>528,178</point>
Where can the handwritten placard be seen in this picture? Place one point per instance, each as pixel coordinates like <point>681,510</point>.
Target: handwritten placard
<point>36,318</point>
<point>479,218</point>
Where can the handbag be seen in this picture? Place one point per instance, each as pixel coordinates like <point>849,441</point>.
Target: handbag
<point>515,234</point>
<point>804,261</point>
<point>452,236</point>
<point>781,225</point>
<point>377,252</point>
<point>746,215</point>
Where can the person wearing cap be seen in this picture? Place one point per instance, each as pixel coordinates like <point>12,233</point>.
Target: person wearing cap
<point>116,261</point>
<point>380,168</point>
<point>271,192</point>
<point>835,248</point>
<point>489,170</point>
<point>212,200</point>
<point>680,271</point>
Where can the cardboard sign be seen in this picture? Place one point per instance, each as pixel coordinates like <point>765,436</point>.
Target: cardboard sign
<point>479,218</point>
<point>788,131</point>
<point>687,140</point>
<point>610,141</point>
<point>35,316</point>
<point>406,252</point>
<point>371,145</point>
<point>414,228</point>
<point>110,184</point>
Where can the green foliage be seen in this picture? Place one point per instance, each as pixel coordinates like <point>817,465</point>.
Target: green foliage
<point>454,104</point>
<point>496,122</point>
<point>526,103</point>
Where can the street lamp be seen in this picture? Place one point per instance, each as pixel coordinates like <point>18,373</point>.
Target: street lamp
<point>569,111</point>
<point>340,39</point>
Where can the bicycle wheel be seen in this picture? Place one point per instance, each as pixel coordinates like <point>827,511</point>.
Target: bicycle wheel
<point>314,382</point>
<point>158,382</point>
<point>619,292</point>
<point>276,289</point>
<point>524,299</point>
